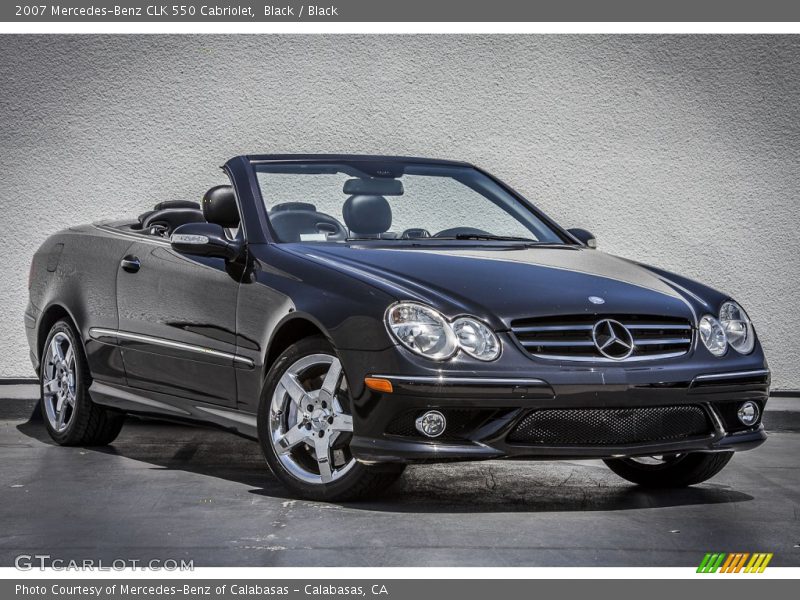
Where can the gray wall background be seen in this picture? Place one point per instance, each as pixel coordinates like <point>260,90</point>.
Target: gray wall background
<point>683,152</point>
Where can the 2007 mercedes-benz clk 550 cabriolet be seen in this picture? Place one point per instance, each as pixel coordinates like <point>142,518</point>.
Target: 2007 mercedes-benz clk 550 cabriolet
<point>358,313</point>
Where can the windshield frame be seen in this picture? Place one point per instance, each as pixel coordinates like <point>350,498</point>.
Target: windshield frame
<point>358,162</point>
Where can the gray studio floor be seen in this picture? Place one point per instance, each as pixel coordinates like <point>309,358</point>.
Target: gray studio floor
<point>170,491</point>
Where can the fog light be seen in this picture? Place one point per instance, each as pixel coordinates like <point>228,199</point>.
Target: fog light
<point>432,424</point>
<point>748,413</point>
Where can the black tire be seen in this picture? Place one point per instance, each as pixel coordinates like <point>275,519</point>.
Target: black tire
<point>359,482</point>
<point>89,424</point>
<point>680,471</point>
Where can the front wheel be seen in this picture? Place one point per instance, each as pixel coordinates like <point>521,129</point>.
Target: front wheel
<point>671,470</point>
<point>305,425</point>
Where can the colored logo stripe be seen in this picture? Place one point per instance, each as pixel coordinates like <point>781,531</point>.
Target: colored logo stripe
<point>734,562</point>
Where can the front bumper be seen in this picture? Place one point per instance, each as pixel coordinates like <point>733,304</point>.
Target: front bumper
<point>499,404</point>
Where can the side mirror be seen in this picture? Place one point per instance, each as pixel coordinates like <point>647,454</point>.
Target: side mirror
<point>205,239</point>
<point>584,236</point>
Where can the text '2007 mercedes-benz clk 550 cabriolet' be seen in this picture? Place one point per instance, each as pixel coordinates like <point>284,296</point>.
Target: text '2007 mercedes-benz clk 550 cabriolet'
<point>358,313</point>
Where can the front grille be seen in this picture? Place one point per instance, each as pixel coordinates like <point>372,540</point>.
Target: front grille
<point>571,337</point>
<point>609,426</point>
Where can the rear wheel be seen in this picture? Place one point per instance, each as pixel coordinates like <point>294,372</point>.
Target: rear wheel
<point>71,418</point>
<point>305,426</point>
<point>670,470</point>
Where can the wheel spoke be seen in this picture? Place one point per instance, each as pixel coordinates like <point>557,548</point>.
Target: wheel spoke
<point>323,458</point>
<point>56,351</point>
<point>68,356</point>
<point>296,391</point>
<point>61,413</point>
<point>331,381</point>
<point>290,439</point>
<point>342,422</point>
<point>50,387</point>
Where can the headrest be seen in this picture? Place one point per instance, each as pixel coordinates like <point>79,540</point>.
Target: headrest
<point>219,206</point>
<point>176,204</point>
<point>367,214</point>
<point>294,206</point>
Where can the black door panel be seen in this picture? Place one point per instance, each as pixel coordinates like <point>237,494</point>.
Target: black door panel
<point>177,321</point>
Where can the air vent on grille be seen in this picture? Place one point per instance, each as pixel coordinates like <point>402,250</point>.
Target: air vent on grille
<point>609,426</point>
<point>571,337</point>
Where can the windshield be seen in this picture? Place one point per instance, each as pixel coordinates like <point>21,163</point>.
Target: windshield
<point>372,200</point>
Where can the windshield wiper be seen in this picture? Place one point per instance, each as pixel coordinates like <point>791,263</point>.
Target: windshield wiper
<point>486,236</point>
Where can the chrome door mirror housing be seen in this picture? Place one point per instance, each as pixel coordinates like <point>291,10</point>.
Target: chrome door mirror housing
<point>205,239</point>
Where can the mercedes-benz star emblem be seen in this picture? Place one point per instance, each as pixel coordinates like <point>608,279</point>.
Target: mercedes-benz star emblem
<point>612,338</point>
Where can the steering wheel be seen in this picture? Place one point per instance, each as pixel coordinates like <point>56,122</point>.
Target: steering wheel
<point>454,231</point>
<point>290,224</point>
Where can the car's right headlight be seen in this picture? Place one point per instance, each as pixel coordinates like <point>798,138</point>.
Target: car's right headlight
<point>422,329</point>
<point>713,335</point>
<point>738,328</point>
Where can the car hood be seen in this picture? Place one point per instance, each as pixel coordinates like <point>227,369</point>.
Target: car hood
<point>500,284</point>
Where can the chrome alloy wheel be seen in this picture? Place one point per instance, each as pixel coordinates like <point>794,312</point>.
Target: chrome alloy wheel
<point>655,461</point>
<point>310,429</point>
<point>58,382</point>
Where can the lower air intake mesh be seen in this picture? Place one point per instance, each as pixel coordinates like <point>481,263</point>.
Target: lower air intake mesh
<point>609,426</point>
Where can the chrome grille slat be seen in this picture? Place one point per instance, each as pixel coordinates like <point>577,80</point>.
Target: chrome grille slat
<point>554,328</point>
<point>570,337</point>
<point>559,343</point>
<point>662,342</point>
<point>656,326</point>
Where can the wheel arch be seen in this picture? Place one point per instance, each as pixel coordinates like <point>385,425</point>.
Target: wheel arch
<point>52,314</point>
<point>291,330</point>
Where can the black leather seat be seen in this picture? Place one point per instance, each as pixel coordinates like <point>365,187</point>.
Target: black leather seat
<point>293,206</point>
<point>219,206</point>
<point>163,222</point>
<point>165,205</point>
<point>367,216</point>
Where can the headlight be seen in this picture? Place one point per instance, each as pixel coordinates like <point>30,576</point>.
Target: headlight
<point>476,339</point>
<point>427,332</point>
<point>737,326</point>
<point>713,335</point>
<point>422,330</point>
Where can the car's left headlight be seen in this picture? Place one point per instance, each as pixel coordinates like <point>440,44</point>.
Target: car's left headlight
<point>425,331</point>
<point>476,339</point>
<point>738,328</point>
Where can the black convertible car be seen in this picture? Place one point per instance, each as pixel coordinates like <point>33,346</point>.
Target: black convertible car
<point>357,313</point>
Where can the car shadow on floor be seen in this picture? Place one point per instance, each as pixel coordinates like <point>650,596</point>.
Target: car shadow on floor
<point>478,487</point>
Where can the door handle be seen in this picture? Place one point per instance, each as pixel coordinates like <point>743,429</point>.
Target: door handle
<point>130,264</point>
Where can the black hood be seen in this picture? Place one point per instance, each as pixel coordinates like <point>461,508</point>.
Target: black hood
<point>500,284</point>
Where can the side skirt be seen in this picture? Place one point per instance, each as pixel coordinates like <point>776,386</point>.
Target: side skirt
<point>155,404</point>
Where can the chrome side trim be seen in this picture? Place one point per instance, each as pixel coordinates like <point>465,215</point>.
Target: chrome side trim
<point>462,380</point>
<point>99,332</point>
<point>732,375</point>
